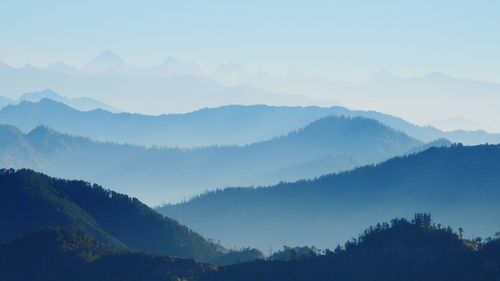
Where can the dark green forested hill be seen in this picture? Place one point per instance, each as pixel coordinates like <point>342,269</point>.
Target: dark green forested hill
<point>417,250</point>
<point>30,200</point>
<point>459,185</point>
<point>68,254</point>
<point>402,250</point>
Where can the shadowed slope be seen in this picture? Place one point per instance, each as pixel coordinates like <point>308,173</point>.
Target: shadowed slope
<point>401,251</point>
<point>30,200</point>
<point>69,254</point>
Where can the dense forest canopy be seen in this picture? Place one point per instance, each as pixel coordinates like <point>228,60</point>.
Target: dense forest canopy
<point>402,249</point>
<point>30,200</point>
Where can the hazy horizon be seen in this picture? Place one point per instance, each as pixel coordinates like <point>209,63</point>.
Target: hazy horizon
<point>340,40</point>
<point>427,62</point>
<point>176,86</point>
<point>184,140</point>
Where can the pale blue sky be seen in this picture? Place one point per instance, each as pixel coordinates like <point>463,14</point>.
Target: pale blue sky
<point>341,39</point>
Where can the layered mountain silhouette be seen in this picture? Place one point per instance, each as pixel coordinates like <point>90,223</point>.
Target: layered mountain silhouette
<point>400,250</point>
<point>434,95</point>
<point>153,90</point>
<point>157,175</point>
<point>228,125</point>
<point>30,201</point>
<point>177,86</point>
<point>231,125</point>
<point>458,184</point>
<point>82,103</point>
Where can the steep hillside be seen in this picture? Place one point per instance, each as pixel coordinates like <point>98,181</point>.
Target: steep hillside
<point>30,200</point>
<point>157,175</point>
<point>69,254</point>
<point>458,184</point>
<point>16,150</point>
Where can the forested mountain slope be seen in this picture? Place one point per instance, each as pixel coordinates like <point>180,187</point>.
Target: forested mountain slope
<point>402,250</point>
<point>30,200</point>
<point>458,184</point>
<point>69,254</point>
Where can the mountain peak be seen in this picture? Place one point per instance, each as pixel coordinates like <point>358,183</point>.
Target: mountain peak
<point>42,131</point>
<point>37,96</point>
<point>48,97</point>
<point>47,104</point>
<point>6,130</point>
<point>108,54</point>
<point>105,62</point>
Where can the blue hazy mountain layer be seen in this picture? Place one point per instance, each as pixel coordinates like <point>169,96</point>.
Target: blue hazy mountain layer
<point>227,125</point>
<point>158,175</point>
<point>457,184</point>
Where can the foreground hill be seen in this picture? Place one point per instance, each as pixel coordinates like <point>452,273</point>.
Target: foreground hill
<point>227,125</point>
<point>403,250</point>
<point>69,254</point>
<point>29,201</point>
<point>459,184</point>
<point>157,175</point>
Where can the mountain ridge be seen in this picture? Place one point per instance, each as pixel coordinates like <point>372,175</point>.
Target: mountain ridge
<point>208,126</point>
<point>164,173</point>
<point>400,250</point>
<point>31,200</point>
<point>458,184</point>
<point>418,249</point>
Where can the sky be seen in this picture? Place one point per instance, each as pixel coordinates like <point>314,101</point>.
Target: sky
<point>344,40</point>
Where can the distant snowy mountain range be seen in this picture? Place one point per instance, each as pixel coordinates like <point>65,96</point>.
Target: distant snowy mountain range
<point>170,87</point>
<point>176,86</point>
